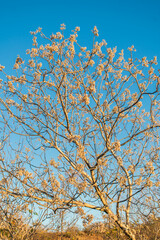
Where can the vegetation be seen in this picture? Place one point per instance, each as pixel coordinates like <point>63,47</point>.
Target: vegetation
<point>96,231</point>
<point>80,130</point>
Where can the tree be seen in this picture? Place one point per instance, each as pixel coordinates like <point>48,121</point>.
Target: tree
<point>88,121</point>
<point>15,220</point>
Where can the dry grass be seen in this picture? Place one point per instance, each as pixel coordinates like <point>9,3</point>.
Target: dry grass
<point>146,231</point>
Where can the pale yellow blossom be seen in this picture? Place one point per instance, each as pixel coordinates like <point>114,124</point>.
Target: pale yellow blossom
<point>85,99</point>
<point>1,67</point>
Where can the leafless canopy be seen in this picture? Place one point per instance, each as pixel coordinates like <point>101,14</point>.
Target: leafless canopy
<point>83,128</point>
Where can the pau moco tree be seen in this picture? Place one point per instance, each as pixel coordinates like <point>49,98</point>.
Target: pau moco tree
<point>89,122</point>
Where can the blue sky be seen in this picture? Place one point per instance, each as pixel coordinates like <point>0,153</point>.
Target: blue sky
<point>120,23</point>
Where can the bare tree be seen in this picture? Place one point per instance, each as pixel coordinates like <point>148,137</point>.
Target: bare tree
<point>16,222</point>
<point>89,122</point>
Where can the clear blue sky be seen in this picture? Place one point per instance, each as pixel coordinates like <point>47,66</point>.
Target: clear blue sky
<point>120,23</point>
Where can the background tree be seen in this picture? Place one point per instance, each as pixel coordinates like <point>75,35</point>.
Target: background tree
<point>89,121</point>
<point>16,220</point>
